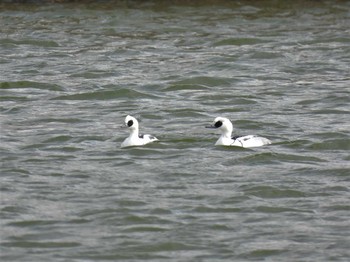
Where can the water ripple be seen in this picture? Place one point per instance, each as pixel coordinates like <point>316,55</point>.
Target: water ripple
<point>71,72</point>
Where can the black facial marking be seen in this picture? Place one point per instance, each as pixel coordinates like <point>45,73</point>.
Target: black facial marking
<point>130,123</point>
<point>218,124</point>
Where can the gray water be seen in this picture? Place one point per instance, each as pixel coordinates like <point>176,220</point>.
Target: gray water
<point>70,73</point>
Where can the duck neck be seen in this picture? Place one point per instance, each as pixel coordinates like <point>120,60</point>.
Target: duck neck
<point>226,134</point>
<point>134,133</point>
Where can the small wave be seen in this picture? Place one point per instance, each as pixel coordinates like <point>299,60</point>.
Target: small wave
<point>238,41</point>
<point>203,81</point>
<point>260,254</point>
<point>272,192</point>
<point>275,158</point>
<point>31,223</point>
<point>93,74</point>
<point>30,84</point>
<point>142,229</point>
<point>207,209</point>
<point>44,244</point>
<point>179,87</point>
<point>164,246</point>
<point>334,144</point>
<point>32,42</point>
<point>279,209</point>
<point>106,95</point>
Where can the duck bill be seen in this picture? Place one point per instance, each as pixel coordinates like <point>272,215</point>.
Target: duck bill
<point>211,126</point>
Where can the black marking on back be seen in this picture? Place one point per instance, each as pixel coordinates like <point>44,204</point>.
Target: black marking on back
<point>130,123</point>
<point>218,124</point>
<point>237,138</point>
<point>149,136</point>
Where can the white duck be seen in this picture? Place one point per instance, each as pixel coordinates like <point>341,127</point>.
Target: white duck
<point>134,138</point>
<point>226,138</point>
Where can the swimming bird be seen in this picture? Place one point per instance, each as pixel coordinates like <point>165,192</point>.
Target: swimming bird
<point>134,138</point>
<point>226,138</point>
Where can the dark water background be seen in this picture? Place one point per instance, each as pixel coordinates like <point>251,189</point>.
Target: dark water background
<point>70,73</point>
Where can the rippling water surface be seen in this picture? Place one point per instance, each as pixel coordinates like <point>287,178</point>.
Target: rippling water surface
<point>70,73</point>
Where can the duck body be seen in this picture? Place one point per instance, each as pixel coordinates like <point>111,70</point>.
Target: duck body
<point>138,140</point>
<point>243,141</point>
<point>224,125</point>
<point>135,139</point>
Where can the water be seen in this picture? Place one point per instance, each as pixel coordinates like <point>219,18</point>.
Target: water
<point>70,73</point>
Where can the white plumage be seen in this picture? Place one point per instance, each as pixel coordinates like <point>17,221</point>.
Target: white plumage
<point>224,125</point>
<point>135,139</point>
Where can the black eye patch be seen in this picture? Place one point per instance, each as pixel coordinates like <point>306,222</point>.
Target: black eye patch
<point>130,123</point>
<point>218,124</point>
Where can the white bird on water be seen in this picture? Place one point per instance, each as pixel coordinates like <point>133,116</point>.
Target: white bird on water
<point>226,139</point>
<point>135,139</point>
